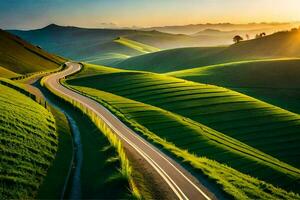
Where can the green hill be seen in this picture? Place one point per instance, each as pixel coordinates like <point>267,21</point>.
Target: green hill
<point>172,59</point>
<point>18,56</point>
<point>92,44</point>
<point>143,48</point>
<point>206,120</point>
<point>274,81</point>
<point>278,45</point>
<point>114,51</point>
<point>193,28</point>
<point>28,144</point>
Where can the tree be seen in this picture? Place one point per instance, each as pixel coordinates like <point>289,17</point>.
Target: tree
<point>262,34</point>
<point>237,39</point>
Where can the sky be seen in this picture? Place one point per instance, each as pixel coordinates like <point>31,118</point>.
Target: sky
<point>30,14</point>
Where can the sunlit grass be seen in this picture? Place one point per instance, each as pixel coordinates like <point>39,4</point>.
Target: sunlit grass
<point>228,178</point>
<point>125,169</point>
<point>28,144</point>
<point>143,48</point>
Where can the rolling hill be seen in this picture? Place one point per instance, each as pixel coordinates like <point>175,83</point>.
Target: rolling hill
<point>92,44</point>
<point>277,45</point>
<point>20,57</point>
<point>114,51</point>
<point>194,28</point>
<point>275,81</point>
<point>172,59</point>
<point>217,123</point>
<point>28,144</point>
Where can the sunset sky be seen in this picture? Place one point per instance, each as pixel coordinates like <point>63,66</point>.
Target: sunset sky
<point>27,14</point>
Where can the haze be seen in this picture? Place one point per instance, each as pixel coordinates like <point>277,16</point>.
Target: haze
<point>28,14</point>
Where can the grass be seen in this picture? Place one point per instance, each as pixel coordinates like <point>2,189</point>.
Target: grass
<point>28,144</point>
<point>5,73</point>
<point>91,44</point>
<point>143,48</point>
<point>53,185</point>
<point>238,116</point>
<point>125,168</point>
<point>171,59</point>
<point>20,57</point>
<point>283,44</point>
<point>275,81</point>
<point>100,171</point>
<point>227,178</point>
<point>114,51</point>
<point>27,78</point>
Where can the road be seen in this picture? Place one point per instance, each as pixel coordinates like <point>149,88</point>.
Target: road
<point>176,177</point>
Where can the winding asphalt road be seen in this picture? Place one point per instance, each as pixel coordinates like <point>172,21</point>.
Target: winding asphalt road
<point>177,178</point>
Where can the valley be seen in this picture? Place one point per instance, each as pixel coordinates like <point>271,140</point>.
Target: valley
<point>113,111</point>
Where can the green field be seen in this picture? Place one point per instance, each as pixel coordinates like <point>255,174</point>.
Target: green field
<point>213,106</point>
<point>86,43</point>
<point>18,56</point>
<point>114,51</point>
<point>138,115</point>
<point>178,110</point>
<point>282,45</point>
<point>28,144</point>
<point>57,174</point>
<point>106,172</point>
<point>171,59</point>
<point>275,81</point>
<point>143,48</point>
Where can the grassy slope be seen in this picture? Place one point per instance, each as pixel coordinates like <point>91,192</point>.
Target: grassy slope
<point>141,86</point>
<point>213,106</point>
<point>21,57</point>
<point>53,184</point>
<point>114,51</point>
<point>227,178</point>
<point>278,45</point>
<point>275,81</point>
<point>28,144</point>
<point>101,173</point>
<point>143,48</point>
<point>172,59</point>
<point>7,73</point>
<point>73,42</point>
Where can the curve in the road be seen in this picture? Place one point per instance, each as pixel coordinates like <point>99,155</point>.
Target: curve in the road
<point>174,175</point>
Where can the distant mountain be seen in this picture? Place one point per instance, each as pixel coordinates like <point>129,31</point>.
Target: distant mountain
<point>194,28</point>
<point>277,45</point>
<point>99,44</point>
<point>19,57</point>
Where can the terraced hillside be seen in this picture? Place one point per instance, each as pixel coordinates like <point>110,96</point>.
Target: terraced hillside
<point>18,56</point>
<point>182,107</point>
<point>28,144</point>
<point>275,81</point>
<point>222,109</point>
<point>140,117</point>
<point>282,45</point>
